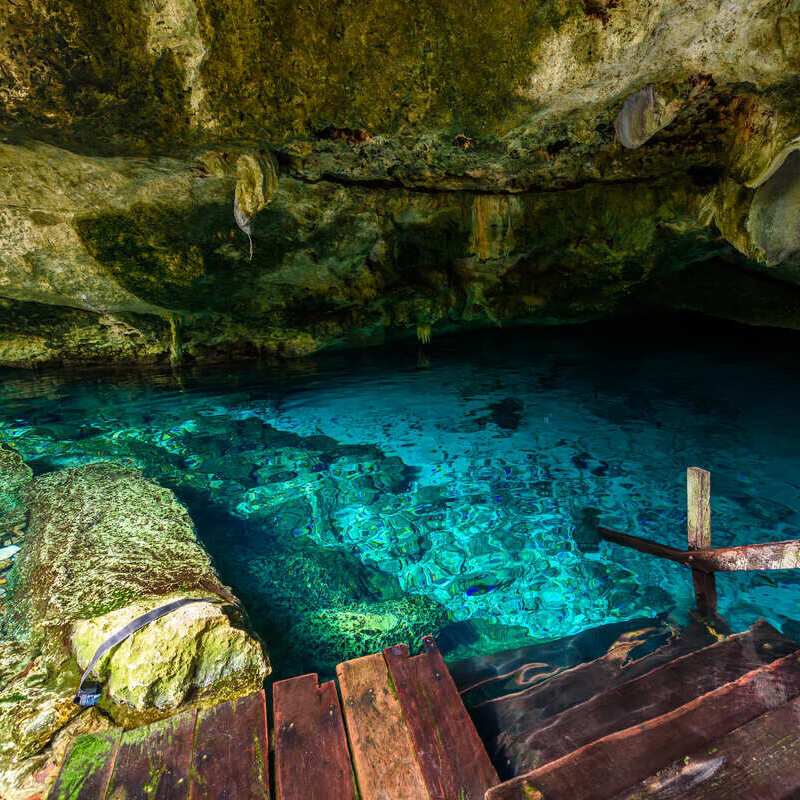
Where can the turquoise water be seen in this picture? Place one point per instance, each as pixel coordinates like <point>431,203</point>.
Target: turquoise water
<point>363,497</point>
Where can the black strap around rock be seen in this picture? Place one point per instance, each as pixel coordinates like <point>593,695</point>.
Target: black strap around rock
<point>90,697</point>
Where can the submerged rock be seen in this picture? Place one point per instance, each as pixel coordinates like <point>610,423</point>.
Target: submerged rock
<point>14,475</point>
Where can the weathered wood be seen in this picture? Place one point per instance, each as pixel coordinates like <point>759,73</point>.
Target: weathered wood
<point>669,686</point>
<point>767,555</point>
<point>312,759</point>
<point>506,719</point>
<point>452,757</point>
<point>523,666</point>
<point>153,762</point>
<point>607,766</point>
<point>380,741</point>
<point>230,756</point>
<point>698,505</point>
<point>87,767</point>
<point>561,689</point>
<point>760,760</point>
<point>647,546</point>
<point>698,508</point>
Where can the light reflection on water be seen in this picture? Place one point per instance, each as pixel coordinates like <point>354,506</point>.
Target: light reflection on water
<point>476,482</point>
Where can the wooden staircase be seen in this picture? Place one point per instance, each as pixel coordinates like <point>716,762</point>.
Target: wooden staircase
<point>672,724</point>
<point>697,717</point>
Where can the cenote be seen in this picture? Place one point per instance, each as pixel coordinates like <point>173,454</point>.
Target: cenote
<point>360,498</point>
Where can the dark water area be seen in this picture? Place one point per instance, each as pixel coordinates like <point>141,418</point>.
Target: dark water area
<point>360,498</point>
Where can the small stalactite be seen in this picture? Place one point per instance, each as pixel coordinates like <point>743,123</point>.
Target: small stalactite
<point>643,114</point>
<point>256,185</point>
<point>424,333</point>
<point>175,343</point>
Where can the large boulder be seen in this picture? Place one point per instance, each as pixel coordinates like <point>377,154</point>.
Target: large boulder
<point>104,545</point>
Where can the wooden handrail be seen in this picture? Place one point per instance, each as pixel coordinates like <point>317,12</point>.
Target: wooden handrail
<point>766,555</point>
<point>704,560</point>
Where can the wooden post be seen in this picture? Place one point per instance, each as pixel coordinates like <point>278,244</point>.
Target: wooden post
<point>698,515</point>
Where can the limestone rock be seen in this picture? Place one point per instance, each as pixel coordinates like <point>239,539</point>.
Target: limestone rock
<point>14,474</point>
<point>192,650</point>
<point>256,184</point>
<point>340,633</point>
<point>102,546</point>
<point>643,114</point>
<point>774,219</point>
<point>117,241</point>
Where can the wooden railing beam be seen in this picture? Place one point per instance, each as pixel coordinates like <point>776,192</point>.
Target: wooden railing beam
<point>768,555</point>
<point>698,518</point>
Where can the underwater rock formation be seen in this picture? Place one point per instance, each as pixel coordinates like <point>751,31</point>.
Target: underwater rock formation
<point>102,546</point>
<point>14,475</point>
<point>396,169</point>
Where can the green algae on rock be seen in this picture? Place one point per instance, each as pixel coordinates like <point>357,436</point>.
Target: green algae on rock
<point>102,545</point>
<point>193,650</point>
<point>118,239</point>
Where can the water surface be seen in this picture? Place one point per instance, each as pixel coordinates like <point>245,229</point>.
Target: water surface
<point>349,496</point>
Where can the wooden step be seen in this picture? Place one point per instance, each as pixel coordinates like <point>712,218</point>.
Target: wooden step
<point>87,767</point>
<point>658,691</point>
<point>605,767</point>
<point>521,711</point>
<point>520,667</point>
<point>218,752</point>
<point>451,756</point>
<point>760,760</point>
<point>383,752</point>
<point>153,762</point>
<point>312,759</point>
<point>230,758</point>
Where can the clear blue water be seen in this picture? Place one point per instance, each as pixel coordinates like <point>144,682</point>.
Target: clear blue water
<point>471,474</point>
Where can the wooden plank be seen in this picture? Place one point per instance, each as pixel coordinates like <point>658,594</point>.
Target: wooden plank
<point>452,757</point>
<point>383,751</point>
<point>87,767</point>
<point>698,508</point>
<point>647,546</point>
<point>486,677</point>
<point>559,690</point>
<point>767,555</point>
<point>698,516</point>
<point>153,761</point>
<point>230,756</point>
<point>312,760</point>
<point>658,691</point>
<point>505,719</point>
<point>759,760</point>
<point>609,765</point>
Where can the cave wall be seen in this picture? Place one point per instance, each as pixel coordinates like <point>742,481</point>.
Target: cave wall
<point>396,169</point>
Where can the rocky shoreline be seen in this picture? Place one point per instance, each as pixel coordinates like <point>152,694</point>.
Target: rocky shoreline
<point>101,546</point>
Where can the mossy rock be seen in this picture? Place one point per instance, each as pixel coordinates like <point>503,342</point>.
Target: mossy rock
<point>341,633</point>
<point>103,546</point>
<point>190,651</point>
